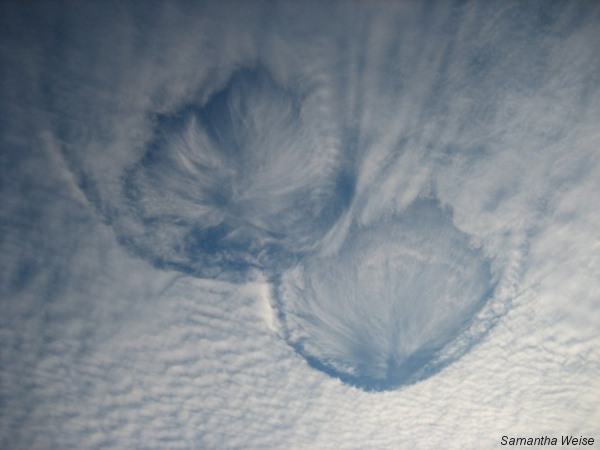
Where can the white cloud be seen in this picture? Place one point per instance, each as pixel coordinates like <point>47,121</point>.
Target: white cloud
<point>491,108</point>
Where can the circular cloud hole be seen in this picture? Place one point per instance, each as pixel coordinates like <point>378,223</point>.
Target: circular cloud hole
<point>379,313</point>
<point>241,181</point>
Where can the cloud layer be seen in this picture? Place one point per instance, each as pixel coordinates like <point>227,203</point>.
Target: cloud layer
<point>202,204</point>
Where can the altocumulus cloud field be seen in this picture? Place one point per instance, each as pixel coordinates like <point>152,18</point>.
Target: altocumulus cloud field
<point>298,224</point>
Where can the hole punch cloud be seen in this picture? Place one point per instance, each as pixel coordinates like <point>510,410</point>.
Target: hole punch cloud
<point>379,312</point>
<point>242,182</point>
<point>236,183</point>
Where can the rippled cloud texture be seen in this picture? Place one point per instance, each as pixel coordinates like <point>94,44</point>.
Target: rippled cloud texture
<point>298,224</point>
